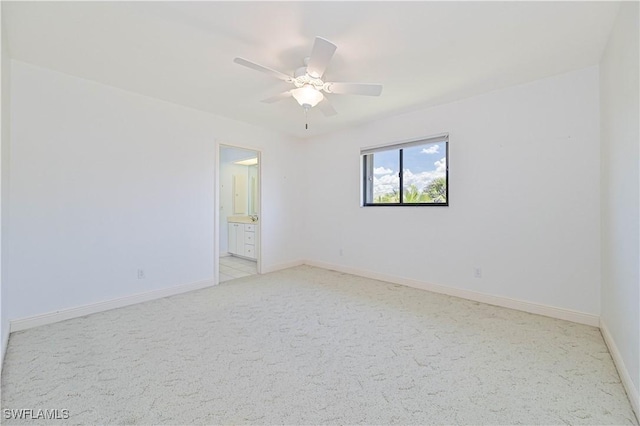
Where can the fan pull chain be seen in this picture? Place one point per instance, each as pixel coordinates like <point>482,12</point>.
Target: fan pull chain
<point>306,118</point>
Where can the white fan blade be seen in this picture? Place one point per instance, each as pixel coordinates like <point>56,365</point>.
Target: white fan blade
<point>278,97</point>
<point>254,66</point>
<point>366,89</point>
<point>320,56</point>
<point>326,108</point>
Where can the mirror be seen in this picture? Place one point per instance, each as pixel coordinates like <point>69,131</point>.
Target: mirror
<point>240,197</point>
<point>239,182</point>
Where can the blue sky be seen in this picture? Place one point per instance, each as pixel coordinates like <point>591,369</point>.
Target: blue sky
<point>422,164</point>
<point>418,159</point>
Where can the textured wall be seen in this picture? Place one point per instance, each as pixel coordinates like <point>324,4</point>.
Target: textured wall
<point>524,197</point>
<point>106,182</point>
<point>621,188</point>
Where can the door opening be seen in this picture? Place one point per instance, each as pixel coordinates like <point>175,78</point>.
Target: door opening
<point>239,213</point>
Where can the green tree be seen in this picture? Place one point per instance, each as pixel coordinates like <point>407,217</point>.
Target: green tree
<point>413,195</point>
<point>437,190</point>
<point>389,197</point>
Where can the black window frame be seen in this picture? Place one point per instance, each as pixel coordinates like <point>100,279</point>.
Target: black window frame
<point>367,153</point>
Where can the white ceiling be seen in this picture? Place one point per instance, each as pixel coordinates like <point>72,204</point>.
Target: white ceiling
<point>424,53</point>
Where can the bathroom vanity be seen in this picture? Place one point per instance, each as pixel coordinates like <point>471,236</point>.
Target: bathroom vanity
<point>243,236</point>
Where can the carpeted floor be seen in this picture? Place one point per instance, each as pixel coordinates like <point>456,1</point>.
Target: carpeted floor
<point>312,346</point>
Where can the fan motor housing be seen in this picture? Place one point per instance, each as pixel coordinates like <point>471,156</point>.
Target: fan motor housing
<point>300,72</point>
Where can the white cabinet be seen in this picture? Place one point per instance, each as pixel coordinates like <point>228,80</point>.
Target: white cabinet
<point>236,238</point>
<point>242,239</point>
<point>250,241</point>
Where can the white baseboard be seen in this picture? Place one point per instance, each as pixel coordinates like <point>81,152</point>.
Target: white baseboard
<point>632,391</point>
<point>5,343</point>
<point>277,267</point>
<point>80,311</point>
<point>505,302</point>
<point>550,311</point>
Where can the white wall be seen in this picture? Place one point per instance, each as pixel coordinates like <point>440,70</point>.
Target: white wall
<point>620,149</point>
<point>4,190</point>
<point>524,197</point>
<point>105,182</point>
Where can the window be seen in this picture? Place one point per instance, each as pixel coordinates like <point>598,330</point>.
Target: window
<point>407,174</point>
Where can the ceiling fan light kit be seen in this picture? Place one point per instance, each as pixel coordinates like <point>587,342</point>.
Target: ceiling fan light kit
<point>307,96</point>
<point>309,83</point>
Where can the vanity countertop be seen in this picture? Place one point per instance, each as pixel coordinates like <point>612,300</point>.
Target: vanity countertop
<point>241,219</point>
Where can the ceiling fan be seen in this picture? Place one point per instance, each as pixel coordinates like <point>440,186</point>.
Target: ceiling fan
<point>308,81</point>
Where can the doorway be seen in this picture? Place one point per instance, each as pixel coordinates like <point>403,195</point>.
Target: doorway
<point>239,213</point>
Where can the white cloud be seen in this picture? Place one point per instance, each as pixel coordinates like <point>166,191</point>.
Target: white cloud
<point>385,184</point>
<point>433,149</point>
<point>421,180</point>
<point>382,171</point>
<point>385,181</point>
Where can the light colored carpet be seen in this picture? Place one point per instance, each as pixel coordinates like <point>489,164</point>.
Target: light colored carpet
<point>311,346</point>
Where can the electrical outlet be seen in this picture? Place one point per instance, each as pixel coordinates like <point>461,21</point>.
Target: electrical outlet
<point>477,272</point>
<point>141,274</point>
